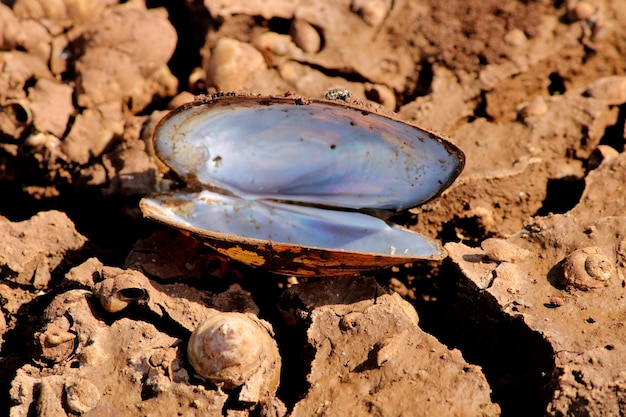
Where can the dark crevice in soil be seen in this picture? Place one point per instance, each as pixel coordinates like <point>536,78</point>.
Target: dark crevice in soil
<point>516,361</point>
<point>557,85</point>
<point>480,111</point>
<point>119,223</point>
<point>186,55</point>
<point>470,230</point>
<point>291,338</point>
<point>562,195</point>
<point>425,75</point>
<point>351,77</point>
<point>279,25</point>
<point>614,134</point>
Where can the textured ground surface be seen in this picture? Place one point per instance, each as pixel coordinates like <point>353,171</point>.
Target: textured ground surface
<point>525,317</point>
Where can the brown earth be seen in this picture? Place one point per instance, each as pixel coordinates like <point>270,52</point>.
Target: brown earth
<point>525,317</point>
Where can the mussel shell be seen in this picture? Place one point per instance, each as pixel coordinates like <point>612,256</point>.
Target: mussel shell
<point>291,239</point>
<point>277,182</point>
<point>313,152</point>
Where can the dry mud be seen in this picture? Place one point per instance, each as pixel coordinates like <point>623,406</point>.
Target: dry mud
<point>525,317</point>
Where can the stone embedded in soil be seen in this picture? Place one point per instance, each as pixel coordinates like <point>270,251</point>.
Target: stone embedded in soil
<point>34,248</point>
<point>92,131</point>
<point>371,357</point>
<point>125,56</point>
<point>233,64</point>
<point>500,250</point>
<point>51,104</point>
<point>610,89</point>
<point>130,169</point>
<point>227,8</point>
<point>305,36</point>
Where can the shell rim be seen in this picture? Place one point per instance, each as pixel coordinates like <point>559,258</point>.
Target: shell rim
<point>226,98</point>
<point>150,211</point>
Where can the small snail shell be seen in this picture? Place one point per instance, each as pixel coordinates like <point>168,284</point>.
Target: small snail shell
<point>118,292</point>
<point>81,395</point>
<point>234,349</point>
<point>587,268</point>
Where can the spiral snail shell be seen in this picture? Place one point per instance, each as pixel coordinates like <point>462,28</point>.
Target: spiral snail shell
<point>587,268</point>
<point>236,349</point>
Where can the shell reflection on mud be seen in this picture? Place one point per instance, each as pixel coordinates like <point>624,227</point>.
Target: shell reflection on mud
<point>300,186</point>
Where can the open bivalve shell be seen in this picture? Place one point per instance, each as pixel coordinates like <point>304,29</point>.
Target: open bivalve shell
<point>294,186</point>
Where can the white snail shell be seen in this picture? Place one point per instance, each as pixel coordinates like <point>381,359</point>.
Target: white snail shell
<point>235,349</point>
<point>587,268</point>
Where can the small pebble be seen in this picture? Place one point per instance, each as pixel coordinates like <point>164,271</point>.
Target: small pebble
<point>232,64</point>
<point>398,286</point>
<point>535,107</point>
<point>389,348</point>
<point>500,250</point>
<point>305,36</point>
<point>197,79</point>
<point>181,98</point>
<point>515,37</point>
<point>273,42</point>
<point>373,12</point>
<point>581,11</point>
<point>611,89</point>
<point>556,301</point>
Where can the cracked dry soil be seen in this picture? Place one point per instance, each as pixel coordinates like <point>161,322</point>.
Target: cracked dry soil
<point>525,317</point>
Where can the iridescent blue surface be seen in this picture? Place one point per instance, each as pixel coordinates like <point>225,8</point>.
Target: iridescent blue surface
<point>315,153</point>
<point>287,223</point>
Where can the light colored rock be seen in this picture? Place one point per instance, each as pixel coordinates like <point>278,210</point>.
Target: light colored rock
<point>305,36</point>
<point>535,107</point>
<point>233,64</point>
<point>515,37</point>
<point>500,250</point>
<point>611,89</point>
<point>373,12</point>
